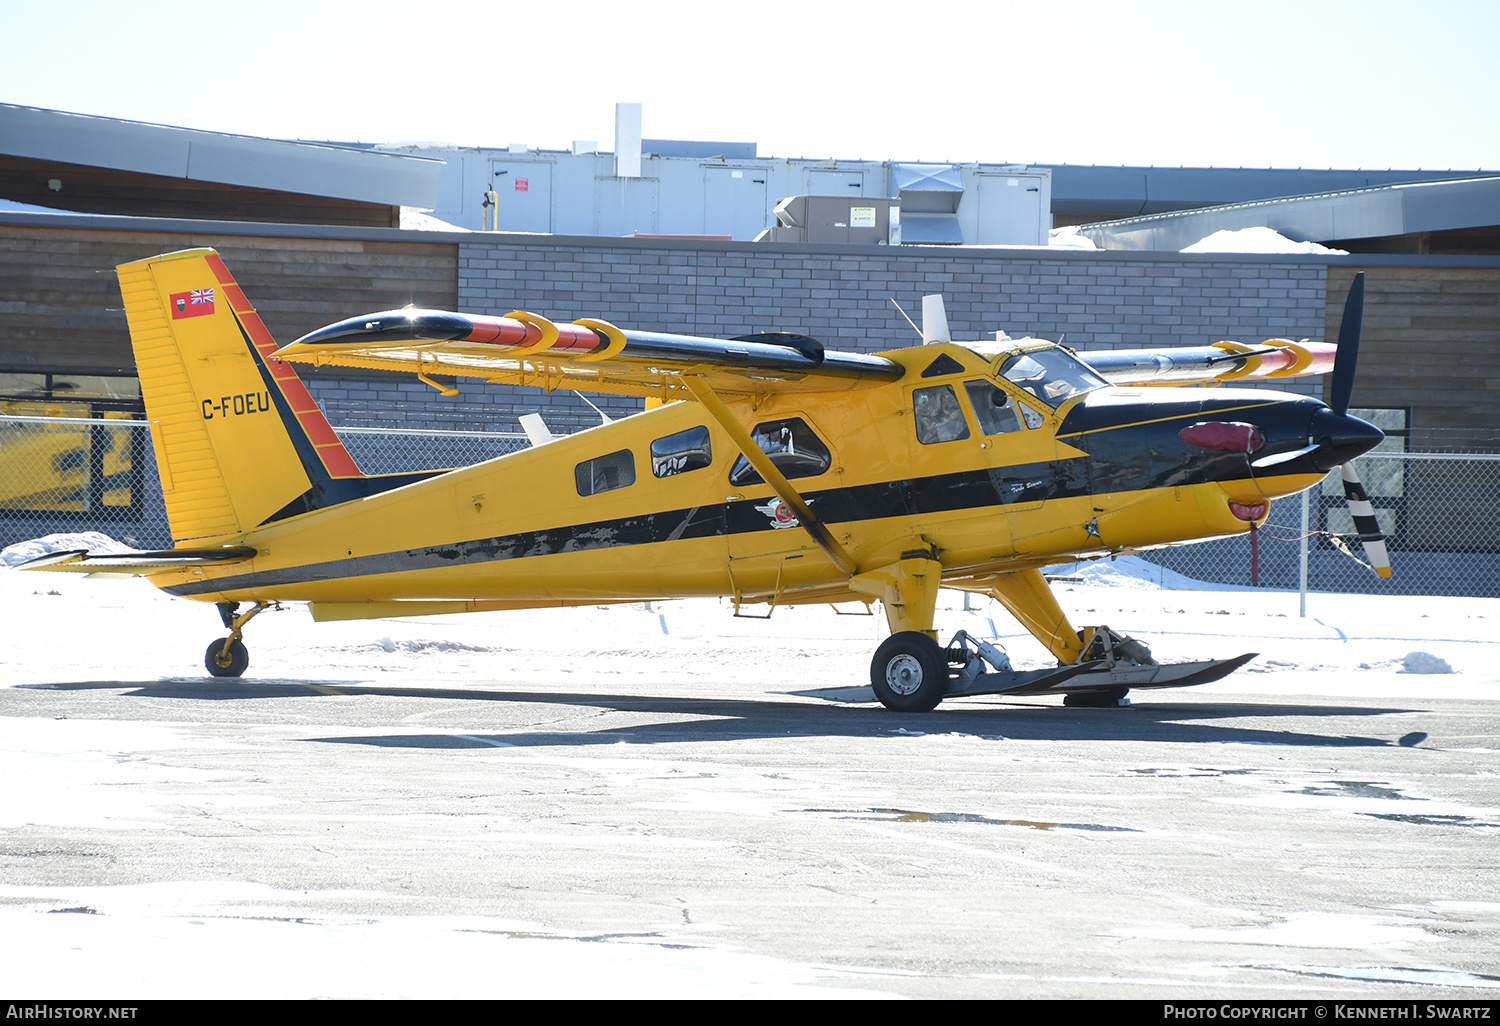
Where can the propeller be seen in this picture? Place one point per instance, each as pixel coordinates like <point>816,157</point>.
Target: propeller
<point>1339,391</point>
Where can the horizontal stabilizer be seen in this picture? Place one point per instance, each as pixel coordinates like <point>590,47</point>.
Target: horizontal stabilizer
<point>135,564</point>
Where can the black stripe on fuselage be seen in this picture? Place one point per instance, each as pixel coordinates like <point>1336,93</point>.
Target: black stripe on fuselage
<point>1125,453</point>
<point>1023,483</point>
<point>944,493</point>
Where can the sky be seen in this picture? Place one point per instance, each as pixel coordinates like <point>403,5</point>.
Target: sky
<point>1315,83</point>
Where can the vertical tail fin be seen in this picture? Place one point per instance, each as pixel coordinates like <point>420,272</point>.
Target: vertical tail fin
<point>238,439</point>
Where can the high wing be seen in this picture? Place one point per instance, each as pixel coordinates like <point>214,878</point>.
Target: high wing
<point>1222,361</point>
<point>587,355</point>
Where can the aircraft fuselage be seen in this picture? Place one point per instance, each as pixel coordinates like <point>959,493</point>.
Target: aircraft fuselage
<point>1101,472</point>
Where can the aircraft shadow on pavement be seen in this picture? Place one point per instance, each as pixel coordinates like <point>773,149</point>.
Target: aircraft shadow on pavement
<point>720,719</point>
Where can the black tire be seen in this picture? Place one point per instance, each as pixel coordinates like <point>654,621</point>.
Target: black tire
<point>230,664</point>
<point>909,672</point>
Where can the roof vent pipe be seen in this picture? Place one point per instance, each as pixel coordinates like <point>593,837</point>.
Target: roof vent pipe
<point>627,140</point>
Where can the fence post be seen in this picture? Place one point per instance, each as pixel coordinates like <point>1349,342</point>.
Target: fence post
<point>1302,555</point>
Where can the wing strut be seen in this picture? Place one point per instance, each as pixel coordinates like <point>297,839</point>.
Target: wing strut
<point>699,386</point>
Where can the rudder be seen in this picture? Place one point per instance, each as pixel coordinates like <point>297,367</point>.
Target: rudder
<point>238,439</point>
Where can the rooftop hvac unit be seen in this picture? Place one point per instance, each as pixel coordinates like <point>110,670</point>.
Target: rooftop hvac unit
<point>848,220</point>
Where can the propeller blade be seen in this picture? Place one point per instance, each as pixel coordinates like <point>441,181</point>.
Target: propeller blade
<point>1364,521</point>
<point>1348,354</point>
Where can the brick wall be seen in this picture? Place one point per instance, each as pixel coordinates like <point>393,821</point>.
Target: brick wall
<point>1095,299</point>
<point>405,402</point>
<point>843,299</point>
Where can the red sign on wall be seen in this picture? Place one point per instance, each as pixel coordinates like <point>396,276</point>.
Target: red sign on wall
<point>523,184</point>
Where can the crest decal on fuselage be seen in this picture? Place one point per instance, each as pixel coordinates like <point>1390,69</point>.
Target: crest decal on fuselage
<point>780,513</point>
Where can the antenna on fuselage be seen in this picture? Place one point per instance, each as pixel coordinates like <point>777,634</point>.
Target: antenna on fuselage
<point>603,417</point>
<point>935,320</point>
<point>535,428</point>
<point>908,319</point>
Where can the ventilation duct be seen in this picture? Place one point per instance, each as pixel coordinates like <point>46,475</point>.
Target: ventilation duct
<point>930,194</point>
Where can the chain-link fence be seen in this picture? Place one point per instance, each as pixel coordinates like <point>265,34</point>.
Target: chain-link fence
<point>64,475</point>
<point>404,450</point>
<point>1440,511</point>
<point>61,475</point>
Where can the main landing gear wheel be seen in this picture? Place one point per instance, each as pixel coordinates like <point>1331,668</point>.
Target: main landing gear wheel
<point>222,663</point>
<point>909,672</point>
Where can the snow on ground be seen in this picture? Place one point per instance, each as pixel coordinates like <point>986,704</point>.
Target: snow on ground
<point>171,937</point>
<point>1256,240</point>
<point>178,938</point>
<point>65,627</point>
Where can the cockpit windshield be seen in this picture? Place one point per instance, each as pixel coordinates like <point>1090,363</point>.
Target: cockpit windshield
<point>1050,374</point>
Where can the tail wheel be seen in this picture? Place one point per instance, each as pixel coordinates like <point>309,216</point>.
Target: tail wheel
<point>231,663</point>
<point>909,672</point>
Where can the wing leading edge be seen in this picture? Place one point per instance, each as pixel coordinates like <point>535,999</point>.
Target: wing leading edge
<point>1222,361</point>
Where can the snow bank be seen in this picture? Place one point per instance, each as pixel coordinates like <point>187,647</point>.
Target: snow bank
<point>1425,662</point>
<point>415,220</point>
<point>20,552</point>
<point>1133,572</point>
<point>1256,240</point>
<point>1068,238</point>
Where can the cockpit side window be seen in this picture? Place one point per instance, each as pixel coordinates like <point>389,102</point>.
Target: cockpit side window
<point>1050,374</point>
<point>682,452</point>
<point>993,407</point>
<point>792,448</point>
<point>937,415</point>
<point>605,473</point>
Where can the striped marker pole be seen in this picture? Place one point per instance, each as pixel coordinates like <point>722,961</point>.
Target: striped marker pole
<point>1364,521</point>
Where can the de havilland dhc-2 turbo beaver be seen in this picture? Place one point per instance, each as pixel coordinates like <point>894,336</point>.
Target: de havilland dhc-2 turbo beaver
<point>764,468</point>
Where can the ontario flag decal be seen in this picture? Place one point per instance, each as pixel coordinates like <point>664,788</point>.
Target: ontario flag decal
<point>196,303</point>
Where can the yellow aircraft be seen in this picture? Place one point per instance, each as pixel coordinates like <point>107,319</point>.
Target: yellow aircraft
<point>764,468</point>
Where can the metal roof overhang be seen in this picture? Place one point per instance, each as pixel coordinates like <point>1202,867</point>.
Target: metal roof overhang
<point>1123,192</point>
<point>297,167</point>
<point>1357,214</point>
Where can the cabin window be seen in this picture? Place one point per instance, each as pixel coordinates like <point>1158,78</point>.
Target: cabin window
<point>605,473</point>
<point>1050,374</point>
<point>792,447</point>
<point>937,415</point>
<point>679,453</point>
<point>994,408</point>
